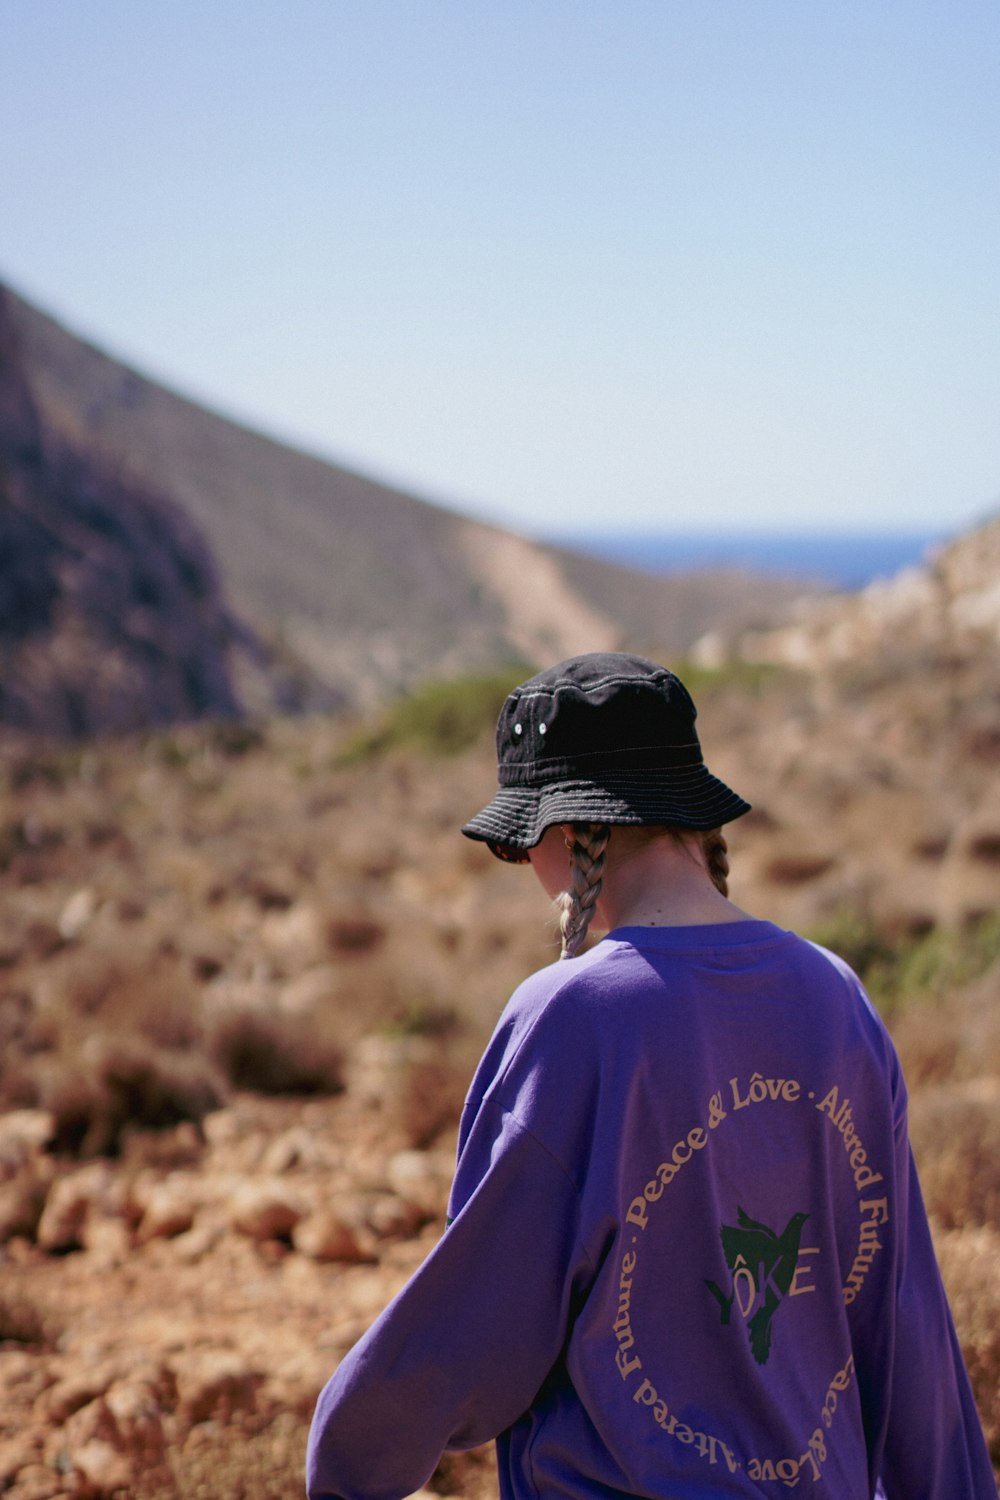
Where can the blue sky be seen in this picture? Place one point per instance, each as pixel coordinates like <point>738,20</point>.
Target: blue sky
<point>561,263</point>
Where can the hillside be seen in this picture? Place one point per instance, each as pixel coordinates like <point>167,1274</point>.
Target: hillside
<point>246,970</point>
<point>246,976</point>
<point>878,770</point>
<point>347,589</point>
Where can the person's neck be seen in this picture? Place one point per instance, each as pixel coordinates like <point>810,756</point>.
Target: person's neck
<point>662,884</point>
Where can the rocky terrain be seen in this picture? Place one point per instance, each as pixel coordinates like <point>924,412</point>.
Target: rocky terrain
<point>162,563</point>
<point>245,976</point>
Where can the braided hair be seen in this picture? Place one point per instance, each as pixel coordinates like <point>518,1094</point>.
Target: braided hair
<point>716,852</point>
<point>587,850</point>
<point>576,905</point>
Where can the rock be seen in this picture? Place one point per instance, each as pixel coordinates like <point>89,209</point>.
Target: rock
<point>170,1209</point>
<point>379,1064</point>
<point>134,1406</point>
<point>107,1242</point>
<point>324,1236</point>
<point>263,1211</point>
<point>61,1225</point>
<point>16,1454</point>
<point>100,1462</point>
<point>24,1378</point>
<point>114,1437</point>
<point>74,1393</point>
<point>392,1217</point>
<point>40,1482</point>
<point>216,1384</point>
<point>289,1150</point>
<point>422,1178</point>
<point>22,1201</point>
<point>310,991</point>
<point>77,913</point>
<point>293,932</point>
<point>198,1241</point>
<point>23,1134</point>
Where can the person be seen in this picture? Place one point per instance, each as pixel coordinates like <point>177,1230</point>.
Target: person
<point>686,1253</point>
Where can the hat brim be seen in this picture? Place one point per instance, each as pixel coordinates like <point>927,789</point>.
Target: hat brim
<point>685,797</point>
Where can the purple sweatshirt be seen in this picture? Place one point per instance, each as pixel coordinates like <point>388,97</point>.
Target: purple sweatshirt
<point>688,1255</point>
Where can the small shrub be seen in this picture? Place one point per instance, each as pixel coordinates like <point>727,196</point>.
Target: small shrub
<point>797,869</point>
<point>947,957</point>
<point>420,1019</point>
<point>269,894</point>
<point>276,1054</point>
<point>931,846</point>
<point>956,1141</point>
<point>969,1260</point>
<point>914,964</point>
<point>440,718</point>
<point>354,933</point>
<point>122,1085</point>
<point>128,993</point>
<point>930,1043</point>
<point>751,677</point>
<point>168,751</point>
<point>49,768</point>
<point>235,738</point>
<point>985,847</point>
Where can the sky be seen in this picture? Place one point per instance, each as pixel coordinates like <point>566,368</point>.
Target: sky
<point>569,265</point>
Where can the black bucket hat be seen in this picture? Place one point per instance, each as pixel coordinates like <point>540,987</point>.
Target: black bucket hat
<point>601,738</point>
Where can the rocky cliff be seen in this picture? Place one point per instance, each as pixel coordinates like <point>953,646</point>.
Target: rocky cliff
<point>111,610</point>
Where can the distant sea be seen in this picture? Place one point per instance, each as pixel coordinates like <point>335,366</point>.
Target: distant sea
<point>842,559</point>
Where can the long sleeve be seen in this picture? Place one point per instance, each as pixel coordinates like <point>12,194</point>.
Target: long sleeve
<point>461,1352</point>
<point>636,1108</point>
<point>934,1444</point>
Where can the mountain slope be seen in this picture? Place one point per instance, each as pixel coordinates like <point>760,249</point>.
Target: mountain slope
<point>366,586</point>
<point>111,614</point>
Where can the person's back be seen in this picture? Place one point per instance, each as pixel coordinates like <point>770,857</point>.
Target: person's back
<point>728,1088</point>
<point>686,1253</point>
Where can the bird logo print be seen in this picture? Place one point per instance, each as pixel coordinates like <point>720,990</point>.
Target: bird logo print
<point>763,1266</point>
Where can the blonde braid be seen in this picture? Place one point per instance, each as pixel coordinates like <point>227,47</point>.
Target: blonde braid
<point>716,852</point>
<point>576,905</point>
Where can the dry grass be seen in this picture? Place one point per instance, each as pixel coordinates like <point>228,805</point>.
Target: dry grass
<point>956,1138</point>
<point>189,917</point>
<point>970,1266</point>
<point>277,1054</point>
<point>120,1087</point>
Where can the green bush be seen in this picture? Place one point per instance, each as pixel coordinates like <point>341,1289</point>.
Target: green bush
<point>439,718</point>
<point>855,938</point>
<point>897,968</point>
<point>752,676</point>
